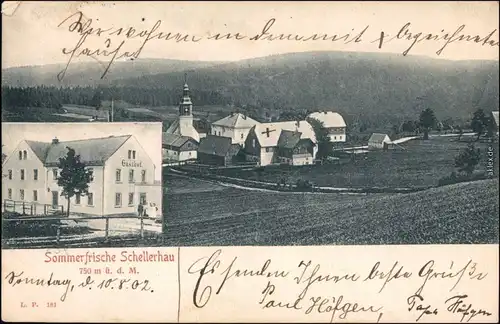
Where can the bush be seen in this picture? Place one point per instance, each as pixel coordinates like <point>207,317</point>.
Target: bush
<point>463,177</point>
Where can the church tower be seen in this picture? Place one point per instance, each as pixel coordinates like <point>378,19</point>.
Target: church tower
<point>186,127</point>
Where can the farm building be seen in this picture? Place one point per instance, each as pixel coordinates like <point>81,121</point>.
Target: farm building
<point>183,125</point>
<point>333,122</point>
<point>236,126</point>
<point>378,141</point>
<point>262,141</point>
<point>294,150</point>
<point>123,176</point>
<point>178,148</point>
<point>217,150</point>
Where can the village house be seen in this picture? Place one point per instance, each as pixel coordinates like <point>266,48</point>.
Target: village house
<point>294,150</point>
<point>123,176</point>
<point>379,141</point>
<point>236,126</point>
<point>334,124</point>
<point>261,145</point>
<point>177,148</point>
<point>217,150</point>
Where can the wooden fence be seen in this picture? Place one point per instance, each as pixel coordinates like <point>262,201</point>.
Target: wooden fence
<point>75,219</point>
<point>31,208</point>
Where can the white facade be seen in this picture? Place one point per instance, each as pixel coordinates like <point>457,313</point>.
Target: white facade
<point>174,155</point>
<point>333,122</point>
<point>235,126</point>
<point>118,184</point>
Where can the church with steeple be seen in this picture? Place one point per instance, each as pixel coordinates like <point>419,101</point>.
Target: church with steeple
<point>181,139</point>
<point>183,125</point>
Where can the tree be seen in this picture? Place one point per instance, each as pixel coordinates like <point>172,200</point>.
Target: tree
<point>427,121</point>
<point>479,123</point>
<point>74,177</point>
<point>96,100</point>
<point>322,138</point>
<point>467,160</point>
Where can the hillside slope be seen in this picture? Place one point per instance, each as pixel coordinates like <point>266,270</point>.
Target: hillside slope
<point>456,214</point>
<point>89,73</point>
<point>383,86</point>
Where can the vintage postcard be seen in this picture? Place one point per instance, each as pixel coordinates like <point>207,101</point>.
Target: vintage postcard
<point>244,162</point>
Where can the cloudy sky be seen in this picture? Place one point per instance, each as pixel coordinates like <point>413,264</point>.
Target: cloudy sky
<point>36,33</point>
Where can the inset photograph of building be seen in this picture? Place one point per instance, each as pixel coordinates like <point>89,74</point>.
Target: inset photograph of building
<point>83,173</point>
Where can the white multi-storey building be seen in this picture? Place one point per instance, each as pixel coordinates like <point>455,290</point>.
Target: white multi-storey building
<point>334,124</point>
<point>235,126</point>
<point>123,175</point>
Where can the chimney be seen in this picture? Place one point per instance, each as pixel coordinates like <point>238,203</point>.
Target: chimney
<point>55,141</point>
<point>232,113</point>
<point>244,116</point>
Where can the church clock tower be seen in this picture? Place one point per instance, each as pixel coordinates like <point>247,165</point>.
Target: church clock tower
<point>185,106</point>
<point>186,115</point>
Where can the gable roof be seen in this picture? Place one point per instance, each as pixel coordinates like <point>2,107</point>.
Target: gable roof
<point>175,140</point>
<point>94,151</point>
<point>261,131</point>
<point>495,117</point>
<point>236,121</point>
<point>329,118</point>
<point>217,145</point>
<point>378,138</point>
<point>288,139</point>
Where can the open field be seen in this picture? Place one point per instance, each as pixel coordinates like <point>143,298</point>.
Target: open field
<point>460,213</point>
<point>419,164</point>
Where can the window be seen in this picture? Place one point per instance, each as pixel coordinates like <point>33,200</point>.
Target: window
<point>133,155</point>
<point>143,174</point>
<point>90,199</point>
<point>20,155</point>
<point>129,154</point>
<point>35,195</point>
<point>340,137</point>
<point>21,194</point>
<point>131,199</point>
<point>92,174</point>
<point>25,155</point>
<point>118,199</point>
<point>219,133</point>
<point>9,193</point>
<point>253,142</point>
<point>241,136</point>
<point>335,137</point>
<point>118,175</point>
<point>10,174</point>
<point>267,149</point>
<point>54,174</point>
<point>35,174</point>
<point>78,199</point>
<point>22,174</point>
<point>131,175</point>
<point>142,198</point>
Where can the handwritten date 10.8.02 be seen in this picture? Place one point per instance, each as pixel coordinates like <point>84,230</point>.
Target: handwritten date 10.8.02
<point>67,286</point>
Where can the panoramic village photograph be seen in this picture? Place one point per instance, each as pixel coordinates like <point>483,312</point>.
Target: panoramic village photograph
<point>302,148</point>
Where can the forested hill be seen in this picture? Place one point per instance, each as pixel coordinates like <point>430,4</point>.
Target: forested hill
<point>372,86</point>
<point>366,84</point>
<point>89,73</point>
